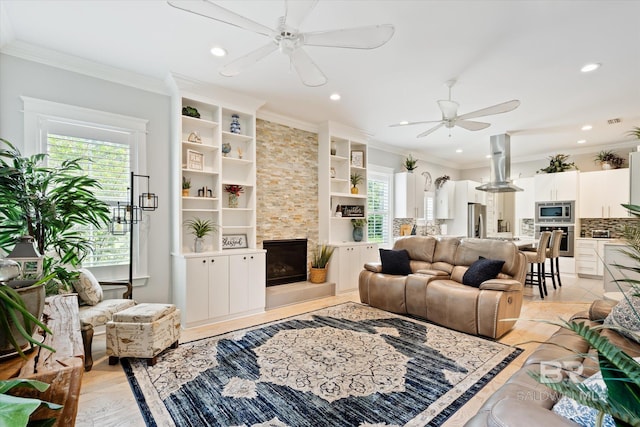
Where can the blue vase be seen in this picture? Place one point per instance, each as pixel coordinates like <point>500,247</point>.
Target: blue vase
<point>235,124</point>
<point>358,234</point>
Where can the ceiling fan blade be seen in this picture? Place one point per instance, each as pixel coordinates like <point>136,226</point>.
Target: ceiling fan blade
<point>211,10</point>
<point>395,125</point>
<point>235,67</point>
<point>308,71</point>
<point>433,129</point>
<point>369,37</point>
<point>505,107</point>
<point>469,125</point>
<point>297,11</point>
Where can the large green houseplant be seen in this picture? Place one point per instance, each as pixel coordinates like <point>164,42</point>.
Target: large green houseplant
<point>48,203</point>
<point>620,372</point>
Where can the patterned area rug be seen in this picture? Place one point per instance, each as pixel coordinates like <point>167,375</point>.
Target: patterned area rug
<point>347,365</point>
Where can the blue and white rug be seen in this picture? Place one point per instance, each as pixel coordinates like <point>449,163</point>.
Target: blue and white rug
<point>347,365</point>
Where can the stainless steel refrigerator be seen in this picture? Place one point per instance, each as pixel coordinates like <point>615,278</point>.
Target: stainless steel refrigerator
<point>477,220</point>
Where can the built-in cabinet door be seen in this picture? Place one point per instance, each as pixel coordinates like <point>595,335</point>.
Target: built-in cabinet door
<point>407,202</point>
<point>246,282</point>
<point>591,195</point>
<point>349,262</point>
<point>368,253</point>
<point>618,192</point>
<point>218,286</point>
<point>197,294</point>
<point>445,200</point>
<point>602,193</point>
<point>556,186</point>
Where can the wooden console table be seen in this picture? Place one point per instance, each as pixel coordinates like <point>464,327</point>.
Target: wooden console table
<point>62,370</point>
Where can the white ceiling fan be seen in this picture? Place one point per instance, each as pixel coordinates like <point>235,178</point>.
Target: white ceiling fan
<point>450,117</point>
<point>287,38</point>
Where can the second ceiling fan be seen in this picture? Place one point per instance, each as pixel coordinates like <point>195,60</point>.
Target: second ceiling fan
<point>450,117</point>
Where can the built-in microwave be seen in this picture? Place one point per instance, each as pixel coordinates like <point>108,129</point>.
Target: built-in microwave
<point>555,212</point>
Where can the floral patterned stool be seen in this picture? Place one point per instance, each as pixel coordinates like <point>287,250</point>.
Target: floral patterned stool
<point>143,331</point>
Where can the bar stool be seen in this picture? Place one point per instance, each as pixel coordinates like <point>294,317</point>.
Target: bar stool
<point>538,258</point>
<point>553,254</point>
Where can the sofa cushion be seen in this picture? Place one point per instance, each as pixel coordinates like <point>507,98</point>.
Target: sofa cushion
<point>481,270</point>
<point>420,248</point>
<point>624,316</point>
<point>395,262</point>
<point>88,287</point>
<point>582,414</point>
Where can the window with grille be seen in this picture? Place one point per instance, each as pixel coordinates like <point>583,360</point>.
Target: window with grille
<point>379,202</point>
<point>113,146</point>
<point>108,163</point>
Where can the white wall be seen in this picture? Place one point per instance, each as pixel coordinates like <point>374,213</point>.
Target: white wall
<point>25,78</point>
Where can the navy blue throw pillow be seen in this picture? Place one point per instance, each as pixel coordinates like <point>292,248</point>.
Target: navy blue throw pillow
<point>481,270</point>
<point>395,262</point>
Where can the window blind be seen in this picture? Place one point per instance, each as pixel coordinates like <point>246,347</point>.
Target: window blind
<point>378,192</point>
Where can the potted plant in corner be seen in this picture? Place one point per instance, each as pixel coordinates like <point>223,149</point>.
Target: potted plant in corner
<point>200,228</point>
<point>356,179</point>
<point>608,159</point>
<point>358,225</point>
<point>320,263</point>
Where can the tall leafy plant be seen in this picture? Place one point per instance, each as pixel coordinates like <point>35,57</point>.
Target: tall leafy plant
<point>48,203</point>
<point>620,372</point>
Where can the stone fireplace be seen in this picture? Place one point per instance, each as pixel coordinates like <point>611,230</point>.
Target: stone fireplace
<point>286,261</point>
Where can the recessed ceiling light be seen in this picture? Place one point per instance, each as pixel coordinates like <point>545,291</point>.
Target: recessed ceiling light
<point>488,156</point>
<point>404,122</point>
<point>582,141</point>
<point>459,150</point>
<point>590,67</point>
<point>335,97</point>
<point>587,127</point>
<point>218,51</point>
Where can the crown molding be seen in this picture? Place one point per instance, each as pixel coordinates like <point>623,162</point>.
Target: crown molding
<point>39,54</point>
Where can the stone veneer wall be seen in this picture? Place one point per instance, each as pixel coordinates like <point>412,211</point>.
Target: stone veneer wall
<point>614,225</point>
<point>287,184</point>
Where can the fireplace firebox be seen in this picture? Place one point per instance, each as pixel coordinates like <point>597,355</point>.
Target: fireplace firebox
<point>286,261</point>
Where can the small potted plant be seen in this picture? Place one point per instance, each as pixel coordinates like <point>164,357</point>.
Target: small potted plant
<point>320,263</point>
<point>234,193</point>
<point>608,159</point>
<point>186,185</point>
<point>410,163</point>
<point>358,225</point>
<point>200,228</point>
<point>558,163</point>
<point>356,179</point>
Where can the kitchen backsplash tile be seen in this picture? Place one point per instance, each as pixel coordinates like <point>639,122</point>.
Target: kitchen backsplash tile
<point>421,230</point>
<point>614,225</point>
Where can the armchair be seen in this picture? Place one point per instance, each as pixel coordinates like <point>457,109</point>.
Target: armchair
<point>95,310</point>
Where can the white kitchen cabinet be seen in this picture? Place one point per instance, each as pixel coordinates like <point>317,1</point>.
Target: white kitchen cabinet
<point>465,192</point>
<point>247,287</point>
<point>445,200</point>
<point>556,186</point>
<point>613,255</point>
<point>525,203</point>
<point>409,195</point>
<point>589,256</point>
<point>347,262</point>
<point>220,287</point>
<point>603,192</point>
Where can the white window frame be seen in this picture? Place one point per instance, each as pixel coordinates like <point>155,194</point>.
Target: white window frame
<point>389,172</point>
<point>41,115</point>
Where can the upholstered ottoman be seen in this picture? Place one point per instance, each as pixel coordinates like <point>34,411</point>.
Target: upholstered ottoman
<point>143,331</point>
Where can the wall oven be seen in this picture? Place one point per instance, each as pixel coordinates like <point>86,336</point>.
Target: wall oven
<point>568,237</point>
<point>555,212</point>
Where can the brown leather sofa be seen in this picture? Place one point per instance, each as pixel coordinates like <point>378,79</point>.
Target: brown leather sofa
<point>523,401</point>
<point>434,291</point>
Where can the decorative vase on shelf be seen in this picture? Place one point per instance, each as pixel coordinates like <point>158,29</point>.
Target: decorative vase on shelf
<point>333,149</point>
<point>226,148</point>
<point>235,124</point>
<point>233,200</point>
<point>197,245</point>
<point>358,234</point>
<point>605,165</point>
<point>354,190</point>
<point>185,192</point>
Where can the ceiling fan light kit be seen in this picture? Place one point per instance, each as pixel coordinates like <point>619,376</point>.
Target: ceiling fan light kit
<point>287,38</point>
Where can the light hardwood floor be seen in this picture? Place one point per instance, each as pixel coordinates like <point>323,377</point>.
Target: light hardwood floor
<point>106,399</point>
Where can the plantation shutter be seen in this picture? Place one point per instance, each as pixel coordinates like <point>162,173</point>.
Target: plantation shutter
<point>379,215</point>
<point>108,161</point>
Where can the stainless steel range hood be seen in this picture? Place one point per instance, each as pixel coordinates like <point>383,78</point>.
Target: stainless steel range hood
<point>500,166</point>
